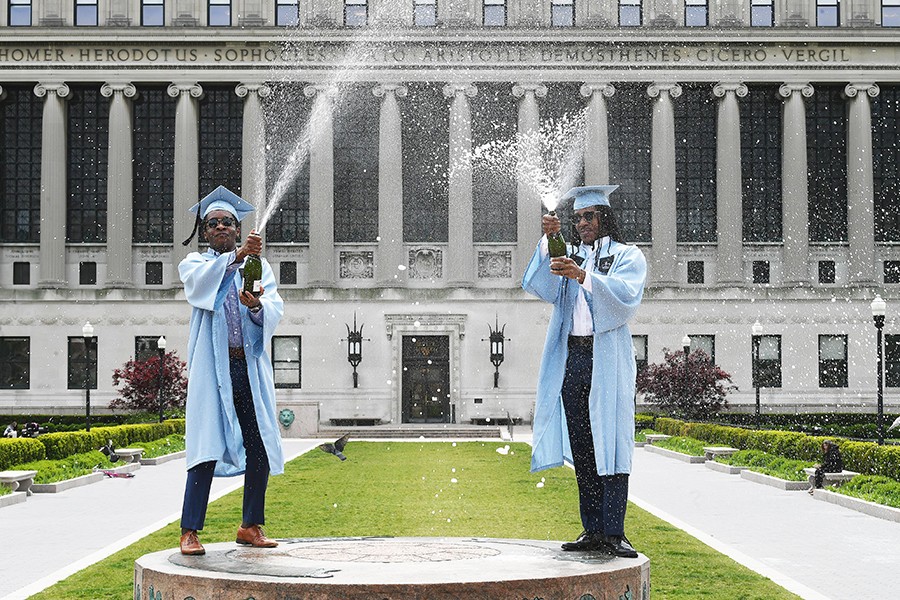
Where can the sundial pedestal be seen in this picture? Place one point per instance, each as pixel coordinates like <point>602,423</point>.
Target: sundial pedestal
<point>391,569</point>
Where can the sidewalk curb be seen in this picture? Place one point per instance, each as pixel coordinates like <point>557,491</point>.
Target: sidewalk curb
<point>864,506</point>
<point>782,484</point>
<point>723,468</point>
<point>676,455</point>
<point>66,484</point>
<point>163,459</point>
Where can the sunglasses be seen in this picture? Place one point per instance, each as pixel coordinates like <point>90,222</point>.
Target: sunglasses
<point>587,216</point>
<point>225,221</point>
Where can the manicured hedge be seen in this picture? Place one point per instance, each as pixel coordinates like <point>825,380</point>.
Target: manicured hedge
<point>63,444</point>
<point>864,457</point>
<point>14,451</point>
<point>644,421</point>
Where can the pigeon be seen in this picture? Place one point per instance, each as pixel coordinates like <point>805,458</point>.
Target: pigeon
<point>896,423</point>
<point>336,447</point>
<point>110,451</point>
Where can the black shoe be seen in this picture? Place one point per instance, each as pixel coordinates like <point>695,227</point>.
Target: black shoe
<point>586,542</point>
<point>618,545</point>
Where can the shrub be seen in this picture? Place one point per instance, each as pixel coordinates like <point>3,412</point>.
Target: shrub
<point>19,450</point>
<point>141,383</point>
<point>686,386</point>
<point>874,488</point>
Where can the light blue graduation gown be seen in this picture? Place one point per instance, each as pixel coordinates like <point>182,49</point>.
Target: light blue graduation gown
<point>212,428</point>
<point>613,301</point>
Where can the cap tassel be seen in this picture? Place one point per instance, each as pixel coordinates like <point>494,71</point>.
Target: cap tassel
<point>194,232</point>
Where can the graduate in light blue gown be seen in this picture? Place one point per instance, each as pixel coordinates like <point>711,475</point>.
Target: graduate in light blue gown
<point>231,427</point>
<point>584,412</point>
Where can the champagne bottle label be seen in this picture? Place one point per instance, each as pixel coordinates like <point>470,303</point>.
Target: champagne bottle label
<point>257,286</point>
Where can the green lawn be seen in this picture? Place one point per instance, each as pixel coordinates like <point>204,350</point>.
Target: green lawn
<point>407,489</point>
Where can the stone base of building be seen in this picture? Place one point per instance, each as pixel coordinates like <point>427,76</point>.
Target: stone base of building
<point>396,568</point>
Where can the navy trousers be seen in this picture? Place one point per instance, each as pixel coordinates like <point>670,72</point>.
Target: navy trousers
<point>602,500</point>
<point>256,477</point>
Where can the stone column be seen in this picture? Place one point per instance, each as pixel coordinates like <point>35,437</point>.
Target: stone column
<point>596,139</point>
<point>53,184</point>
<point>794,185</point>
<point>860,184</point>
<point>253,149</point>
<point>321,185</point>
<point>662,184</point>
<point>391,251</point>
<point>729,206</point>
<point>528,203</point>
<point>119,203</point>
<point>187,170</point>
<point>460,252</point>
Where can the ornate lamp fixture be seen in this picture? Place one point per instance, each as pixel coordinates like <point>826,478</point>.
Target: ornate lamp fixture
<point>497,340</point>
<point>354,341</point>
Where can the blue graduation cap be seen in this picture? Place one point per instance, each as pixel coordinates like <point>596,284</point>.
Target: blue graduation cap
<point>589,195</point>
<point>220,198</point>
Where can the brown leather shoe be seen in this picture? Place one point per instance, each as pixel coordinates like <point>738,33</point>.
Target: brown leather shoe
<point>254,536</point>
<point>191,545</point>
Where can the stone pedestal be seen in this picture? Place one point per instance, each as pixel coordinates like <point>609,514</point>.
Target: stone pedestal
<point>395,568</point>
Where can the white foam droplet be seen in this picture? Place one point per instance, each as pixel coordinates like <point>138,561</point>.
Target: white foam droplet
<point>401,267</point>
<point>540,484</point>
<point>453,480</point>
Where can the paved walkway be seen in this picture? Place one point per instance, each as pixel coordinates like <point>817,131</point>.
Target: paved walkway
<point>815,549</point>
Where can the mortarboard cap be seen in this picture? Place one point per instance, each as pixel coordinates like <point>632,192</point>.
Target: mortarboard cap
<point>220,198</point>
<point>589,195</point>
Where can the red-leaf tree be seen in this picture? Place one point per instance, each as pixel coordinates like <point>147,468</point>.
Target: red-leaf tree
<point>694,388</point>
<point>141,383</point>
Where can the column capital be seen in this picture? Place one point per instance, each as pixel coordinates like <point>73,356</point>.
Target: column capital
<point>787,89</point>
<point>589,89</point>
<point>43,88</point>
<point>177,89</point>
<point>325,89</point>
<point>245,89</point>
<point>396,89</point>
<point>521,89</point>
<point>128,89</point>
<point>722,88</point>
<point>451,90</point>
<point>853,89</point>
<point>656,89</point>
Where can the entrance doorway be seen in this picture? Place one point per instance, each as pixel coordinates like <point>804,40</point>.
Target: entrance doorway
<point>426,379</point>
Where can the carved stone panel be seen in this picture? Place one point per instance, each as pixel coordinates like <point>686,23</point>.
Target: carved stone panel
<point>357,265</point>
<point>425,263</point>
<point>494,265</point>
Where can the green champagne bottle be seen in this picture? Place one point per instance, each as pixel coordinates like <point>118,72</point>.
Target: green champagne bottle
<point>253,274</point>
<point>556,244</point>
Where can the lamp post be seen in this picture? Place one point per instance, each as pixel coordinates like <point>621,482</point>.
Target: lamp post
<point>879,307</point>
<point>686,346</point>
<point>161,348</point>
<point>87,333</point>
<point>497,340</point>
<point>354,348</point>
<point>756,329</point>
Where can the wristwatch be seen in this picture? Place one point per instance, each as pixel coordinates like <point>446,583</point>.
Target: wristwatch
<point>255,309</point>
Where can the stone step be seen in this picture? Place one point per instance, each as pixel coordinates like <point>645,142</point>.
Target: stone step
<point>413,431</point>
